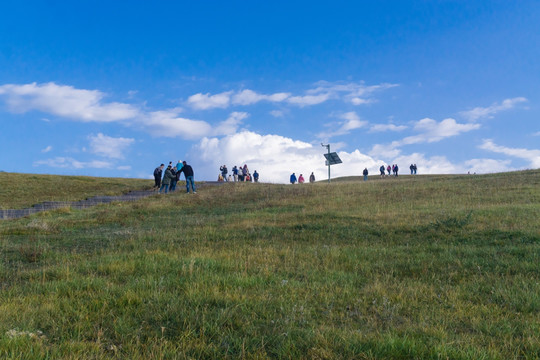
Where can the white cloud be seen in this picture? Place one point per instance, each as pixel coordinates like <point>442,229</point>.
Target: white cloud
<point>355,93</point>
<point>386,127</point>
<point>65,101</point>
<point>488,112</point>
<point>206,101</point>
<point>110,147</point>
<point>230,126</point>
<point>277,113</point>
<point>67,162</point>
<point>308,99</point>
<point>429,131</point>
<point>532,156</point>
<point>47,149</point>
<point>536,133</point>
<point>352,122</point>
<point>248,97</point>
<point>167,123</point>
<point>274,157</point>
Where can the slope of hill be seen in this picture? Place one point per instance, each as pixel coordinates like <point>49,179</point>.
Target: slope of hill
<point>415,267</point>
<point>23,190</point>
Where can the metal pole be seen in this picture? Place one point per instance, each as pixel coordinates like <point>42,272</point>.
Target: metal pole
<point>328,164</point>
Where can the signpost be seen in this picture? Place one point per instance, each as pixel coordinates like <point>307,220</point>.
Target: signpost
<point>331,159</point>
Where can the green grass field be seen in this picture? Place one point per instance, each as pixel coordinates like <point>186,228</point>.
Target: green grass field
<point>440,267</point>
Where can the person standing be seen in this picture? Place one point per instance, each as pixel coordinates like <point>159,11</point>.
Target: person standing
<point>293,178</point>
<point>174,180</point>
<point>312,178</point>
<point>235,173</point>
<point>412,169</point>
<point>365,173</point>
<point>224,172</point>
<point>245,172</point>
<point>166,180</point>
<point>301,179</point>
<point>381,169</point>
<point>388,168</point>
<point>415,168</point>
<point>188,173</point>
<point>157,176</point>
<point>256,176</point>
<point>396,169</point>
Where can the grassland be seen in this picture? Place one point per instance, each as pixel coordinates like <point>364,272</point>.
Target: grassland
<point>409,268</point>
<point>18,191</point>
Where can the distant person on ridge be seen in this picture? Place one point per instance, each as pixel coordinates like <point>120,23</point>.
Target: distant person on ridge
<point>301,179</point>
<point>381,169</point>
<point>415,168</point>
<point>312,178</point>
<point>256,176</point>
<point>157,177</point>
<point>224,172</point>
<point>188,173</point>
<point>365,173</point>
<point>388,168</point>
<point>396,169</point>
<point>166,182</point>
<point>235,173</point>
<point>293,178</point>
<point>172,187</point>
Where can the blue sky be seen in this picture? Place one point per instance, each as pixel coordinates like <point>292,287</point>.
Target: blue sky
<point>116,88</point>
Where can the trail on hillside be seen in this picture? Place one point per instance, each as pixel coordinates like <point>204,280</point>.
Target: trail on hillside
<point>8,214</point>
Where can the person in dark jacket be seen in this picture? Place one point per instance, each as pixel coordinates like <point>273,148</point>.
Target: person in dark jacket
<point>365,173</point>
<point>167,178</point>
<point>224,172</point>
<point>256,176</point>
<point>157,176</point>
<point>188,173</point>
<point>293,178</point>
<point>312,178</point>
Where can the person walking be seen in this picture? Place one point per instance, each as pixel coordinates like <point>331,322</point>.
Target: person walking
<point>365,173</point>
<point>166,182</point>
<point>256,176</point>
<point>381,169</point>
<point>245,172</point>
<point>396,169</point>
<point>188,173</point>
<point>293,178</point>
<point>388,168</point>
<point>157,177</point>
<point>312,178</point>
<point>301,179</point>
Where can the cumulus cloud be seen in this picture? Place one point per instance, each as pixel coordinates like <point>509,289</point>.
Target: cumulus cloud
<point>352,122</point>
<point>66,101</point>
<point>274,157</point>
<point>356,93</point>
<point>47,149</point>
<point>307,100</point>
<point>168,123</point>
<point>386,127</point>
<point>429,131</point>
<point>108,146</point>
<point>532,156</point>
<point>68,162</point>
<point>248,97</point>
<point>206,101</point>
<point>488,112</point>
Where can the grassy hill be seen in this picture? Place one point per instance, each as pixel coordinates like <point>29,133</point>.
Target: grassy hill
<point>415,267</point>
<point>18,191</point>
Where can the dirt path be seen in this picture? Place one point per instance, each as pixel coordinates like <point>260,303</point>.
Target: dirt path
<point>83,204</point>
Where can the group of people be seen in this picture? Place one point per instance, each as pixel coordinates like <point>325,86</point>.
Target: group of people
<point>394,168</point>
<point>240,173</point>
<point>165,182</point>
<point>413,169</point>
<point>301,179</point>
